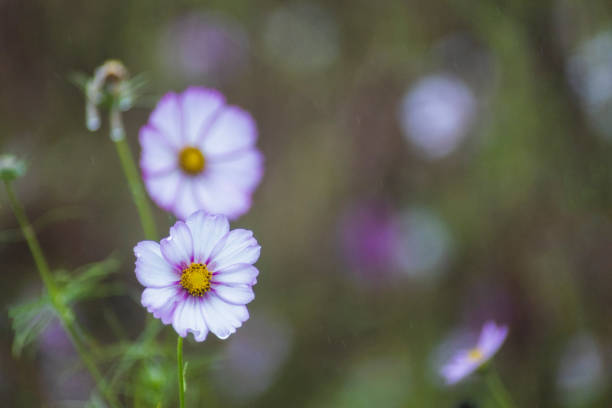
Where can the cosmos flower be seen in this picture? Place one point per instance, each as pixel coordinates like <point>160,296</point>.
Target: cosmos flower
<point>200,278</point>
<point>466,362</point>
<point>199,153</point>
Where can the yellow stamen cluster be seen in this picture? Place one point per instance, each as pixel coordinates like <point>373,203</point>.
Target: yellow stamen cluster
<point>475,354</point>
<point>196,279</point>
<point>191,160</point>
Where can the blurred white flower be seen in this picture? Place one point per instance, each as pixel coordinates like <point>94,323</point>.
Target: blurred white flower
<point>436,113</point>
<point>589,73</point>
<point>424,243</point>
<point>301,38</point>
<point>580,378</point>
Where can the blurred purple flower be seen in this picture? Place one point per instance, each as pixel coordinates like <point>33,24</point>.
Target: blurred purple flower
<point>369,235</point>
<point>199,278</point>
<point>466,362</point>
<point>210,45</point>
<point>55,341</point>
<point>436,114</point>
<point>254,358</point>
<point>199,153</point>
<point>378,242</point>
<point>59,379</point>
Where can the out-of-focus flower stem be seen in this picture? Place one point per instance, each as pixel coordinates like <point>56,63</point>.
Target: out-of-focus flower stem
<point>117,134</point>
<point>181,368</point>
<point>63,312</point>
<point>498,390</point>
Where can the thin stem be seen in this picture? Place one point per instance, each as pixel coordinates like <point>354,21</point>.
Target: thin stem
<point>131,174</point>
<point>65,315</point>
<point>180,367</point>
<point>498,390</point>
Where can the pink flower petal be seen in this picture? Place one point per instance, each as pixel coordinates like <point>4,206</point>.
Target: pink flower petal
<point>152,270</point>
<point>492,338</point>
<point>238,246</point>
<point>163,188</point>
<point>178,247</point>
<point>233,130</point>
<point>206,230</point>
<point>162,301</point>
<point>185,202</point>
<point>199,112</point>
<point>235,315</point>
<point>218,197</point>
<point>166,118</point>
<point>215,321</point>
<point>157,156</point>
<point>235,294</point>
<point>243,169</point>
<point>241,274</point>
<point>188,318</point>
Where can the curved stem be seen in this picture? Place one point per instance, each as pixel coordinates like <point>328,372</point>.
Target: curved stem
<point>498,390</point>
<point>63,312</point>
<point>117,134</point>
<point>180,367</point>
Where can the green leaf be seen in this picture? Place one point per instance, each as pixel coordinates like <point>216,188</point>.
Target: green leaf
<point>79,79</point>
<point>29,320</point>
<point>89,281</point>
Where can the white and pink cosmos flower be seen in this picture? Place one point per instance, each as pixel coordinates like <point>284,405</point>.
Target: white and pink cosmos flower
<point>200,278</point>
<point>465,362</point>
<point>199,153</point>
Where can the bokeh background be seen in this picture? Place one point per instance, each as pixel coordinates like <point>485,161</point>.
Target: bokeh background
<point>429,165</point>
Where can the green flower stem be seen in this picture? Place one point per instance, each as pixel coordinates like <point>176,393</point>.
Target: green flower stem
<point>498,390</point>
<point>117,133</point>
<point>180,367</point>
<point>63,312</point>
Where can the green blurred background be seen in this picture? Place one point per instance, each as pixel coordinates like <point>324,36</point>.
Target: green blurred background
<point>429,166</point>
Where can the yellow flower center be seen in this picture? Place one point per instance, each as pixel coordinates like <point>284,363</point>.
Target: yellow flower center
<point>475,354</point>
<point>191,160</point>
<point>196,279</point>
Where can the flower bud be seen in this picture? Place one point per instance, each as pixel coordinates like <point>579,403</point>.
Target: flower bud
<point>11,167</point>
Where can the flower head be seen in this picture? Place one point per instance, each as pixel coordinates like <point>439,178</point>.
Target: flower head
<point>466,362</point>
<point>199,153</point>
<point>200,278</point>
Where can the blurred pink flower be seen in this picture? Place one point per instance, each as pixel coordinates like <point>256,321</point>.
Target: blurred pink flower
<point>199,278</point>
<point>369,234</point>
<point>207,45</point>
<point>199,153</point>
<point>466,362</point>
